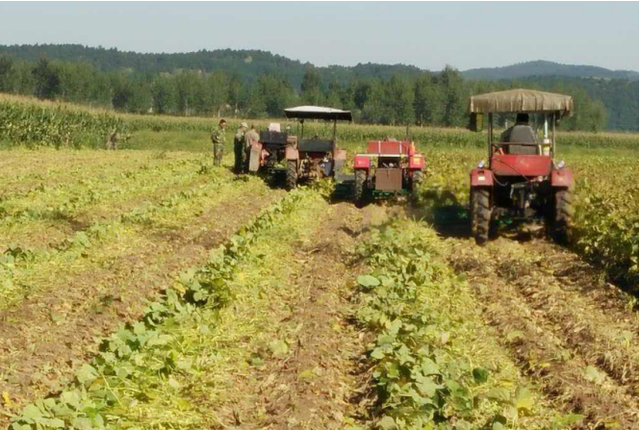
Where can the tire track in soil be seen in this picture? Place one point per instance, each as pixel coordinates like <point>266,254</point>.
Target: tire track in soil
<point>45,339</point>
<point>587,311</point>
<point>558,330</point>
<point>311,387</point>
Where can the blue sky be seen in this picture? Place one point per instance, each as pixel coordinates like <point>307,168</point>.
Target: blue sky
<point>428,35</point>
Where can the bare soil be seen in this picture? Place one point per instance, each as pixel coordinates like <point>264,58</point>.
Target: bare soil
<point>569,329</point>
<point>46,337</point>
<point>311,387</point>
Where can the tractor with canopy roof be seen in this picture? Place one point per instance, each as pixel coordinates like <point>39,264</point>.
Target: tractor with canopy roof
<point>522,179</point>
<point>305,158</point>
<point>315,157</point>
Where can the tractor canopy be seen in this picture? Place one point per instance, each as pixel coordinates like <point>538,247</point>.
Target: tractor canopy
<point>521,100</point>
<point>318,112</point>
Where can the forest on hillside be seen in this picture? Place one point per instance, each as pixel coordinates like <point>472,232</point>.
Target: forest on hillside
<point>256,84</point>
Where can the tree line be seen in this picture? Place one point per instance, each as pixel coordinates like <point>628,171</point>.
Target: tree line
<point>434,99</point>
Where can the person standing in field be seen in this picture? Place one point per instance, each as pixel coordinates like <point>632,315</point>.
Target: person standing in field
<point>112,140</point>
<point>219,139</point>
<point>239,148</point>
<point>251,137</point>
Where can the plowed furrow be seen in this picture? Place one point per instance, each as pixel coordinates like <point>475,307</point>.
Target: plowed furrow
<point>45,338</point>
<point>310,388</point>
<point>534,325</point>
<point>606,339</point>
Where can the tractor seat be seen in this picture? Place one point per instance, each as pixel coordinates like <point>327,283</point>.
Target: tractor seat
<point>522,134</point>
<point>316,145</point>
<point>522,149</point>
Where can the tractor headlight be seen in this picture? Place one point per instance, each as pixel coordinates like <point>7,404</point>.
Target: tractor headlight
<point>561,165</point>
<point>481,164</point>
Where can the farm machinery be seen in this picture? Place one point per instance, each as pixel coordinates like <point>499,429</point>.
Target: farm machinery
<point>305,158</point>
<point>522,179</point>
<point>388,166</point>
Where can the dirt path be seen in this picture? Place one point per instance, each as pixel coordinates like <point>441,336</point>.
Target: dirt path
<point>566,327</point>
<point>45,338</point>
<point>310,387</point>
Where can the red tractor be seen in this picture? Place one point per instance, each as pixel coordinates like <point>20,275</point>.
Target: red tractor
<point>305,158</point>
<point>315,157</point>
<point>522,179</point>
<point>388,166</point>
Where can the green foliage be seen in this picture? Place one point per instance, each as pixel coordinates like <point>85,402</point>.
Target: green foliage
<point>256,84</point>
<point>606,219</point>
<point>55,125</point>
<point>136,355</point>
<point>422,376</point>
<point>46,79</point>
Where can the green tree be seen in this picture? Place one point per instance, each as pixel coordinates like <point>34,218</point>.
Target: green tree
<point>186,89</point>
<point>6,66</point>
<point>373,109</point>
<point>427,99</point>
<point>235,87</point>
<point>334,95</point>
<point>311,88</point>
<point>453,97</point>
<point>276,94</point>
<point>399,98</point>
<point>140,100</point>
<point>122,92</point>
<point>47,80</point>
<point>218,92</point>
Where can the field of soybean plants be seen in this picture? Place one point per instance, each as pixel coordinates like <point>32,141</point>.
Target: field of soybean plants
<point>146,289</point>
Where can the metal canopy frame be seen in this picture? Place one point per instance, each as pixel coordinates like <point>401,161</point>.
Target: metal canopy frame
<point>318,112</point>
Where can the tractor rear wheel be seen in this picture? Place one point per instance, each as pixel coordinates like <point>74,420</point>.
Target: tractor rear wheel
<point>480,214</point>
<point>359,187</point>
<point>416,181</point>
<point>562,217</point>
<point>292,174</point>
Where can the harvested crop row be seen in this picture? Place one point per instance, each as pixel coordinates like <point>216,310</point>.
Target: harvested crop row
<point>28,271</point>
<point>606,338</point>
<point>296,334</point>
<point>528,311</point>
<point>48,215</point>
<point>434,361</point>
<point>22,170</point>
<point>139,371</point>
<point>61,322</point>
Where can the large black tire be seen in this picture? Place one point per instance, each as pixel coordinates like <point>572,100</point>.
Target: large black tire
<point>416,180</point>
<point>359,187</point>
<point>480,201</point>
<point>562,216</point>
<point>292,174</point>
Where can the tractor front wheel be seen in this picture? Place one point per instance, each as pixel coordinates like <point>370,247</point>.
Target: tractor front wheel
<point>416,181</point>
<point>359,187</point>
<point>292,174</point>
<point>562,217</point>
<point>480,214</point>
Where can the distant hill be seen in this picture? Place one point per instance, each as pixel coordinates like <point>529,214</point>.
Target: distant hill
<point>248,64</point>
<point>547,68</point>
<point>617,90</point>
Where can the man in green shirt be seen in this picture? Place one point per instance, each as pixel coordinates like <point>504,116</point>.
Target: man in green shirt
<point>238,148</point>
<point>219,139</point>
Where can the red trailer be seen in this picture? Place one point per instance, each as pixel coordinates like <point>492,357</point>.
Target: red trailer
<point>389,166</point>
